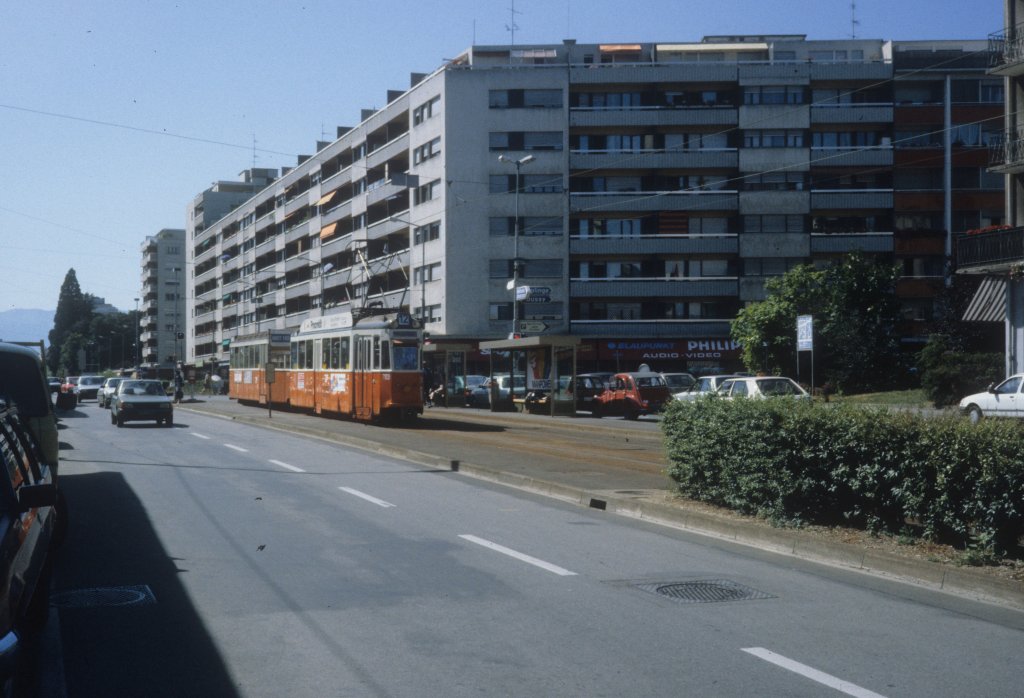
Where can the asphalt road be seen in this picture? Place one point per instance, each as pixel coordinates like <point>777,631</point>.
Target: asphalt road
<point>224,559</point>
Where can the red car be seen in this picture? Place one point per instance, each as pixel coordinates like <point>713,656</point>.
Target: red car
<point>633,394</point>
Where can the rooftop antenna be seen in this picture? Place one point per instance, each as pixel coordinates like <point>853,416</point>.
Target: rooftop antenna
<point>512,26</point>
<point>853,20</point>
<point>254,150</point>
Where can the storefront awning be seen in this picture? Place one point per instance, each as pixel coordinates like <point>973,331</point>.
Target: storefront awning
<point>327,198</point>
<point>328,230</point>
<point>619,48</point>
<point>989,302</point>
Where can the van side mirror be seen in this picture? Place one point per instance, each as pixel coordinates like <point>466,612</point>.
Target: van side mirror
<point>35,496</point>
<point>991,388</point>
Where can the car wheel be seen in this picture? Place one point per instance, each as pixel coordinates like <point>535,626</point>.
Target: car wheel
<point>632,415</point>
<point>169,421</point>
<point>974,414</point>
<point>113,419</point>
<point>120,421</point>
<point>597,410</point>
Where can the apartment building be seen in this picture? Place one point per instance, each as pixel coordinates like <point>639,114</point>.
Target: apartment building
<point>995,253</point>
<point>162,313</point>
<point>642,192</point>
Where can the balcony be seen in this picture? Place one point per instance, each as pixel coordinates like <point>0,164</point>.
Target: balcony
<point>654,116</point>
<point>990,252</point>
<point>697,287</point>
<point>654,244</point>
<point>824,199</point>
<point>1007,155</point>
<point>725,158</point>
<point>1006,52</point>
<point>642,201</point>
<point>847,242</point>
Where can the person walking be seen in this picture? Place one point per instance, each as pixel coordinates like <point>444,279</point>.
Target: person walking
<point>179,387</point>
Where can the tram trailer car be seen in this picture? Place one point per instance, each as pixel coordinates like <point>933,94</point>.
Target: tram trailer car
<point>365,369</point>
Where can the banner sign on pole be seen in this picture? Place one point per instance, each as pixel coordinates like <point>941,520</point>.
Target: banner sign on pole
<point>805,333</point>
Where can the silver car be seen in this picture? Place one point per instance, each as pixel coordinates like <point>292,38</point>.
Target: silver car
<point>107,390</point>
<point>139,400</point>
<point>705,385</point>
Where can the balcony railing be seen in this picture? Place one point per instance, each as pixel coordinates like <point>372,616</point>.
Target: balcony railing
<point>1006,48</point>
<point>991,251</point>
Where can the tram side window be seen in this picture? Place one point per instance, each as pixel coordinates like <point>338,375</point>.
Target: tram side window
<point>340,353</point>
<point>325,354</point>
<point>376,353</point>
<point>385,355</point>
<point>405,356</point>
<point>302,354</point>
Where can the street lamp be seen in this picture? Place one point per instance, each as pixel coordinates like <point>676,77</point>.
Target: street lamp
<point>138,361</point>
<point>515,242</point>
<point>323,270</point>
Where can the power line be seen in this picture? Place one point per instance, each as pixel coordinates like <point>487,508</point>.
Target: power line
<point>138,129</point>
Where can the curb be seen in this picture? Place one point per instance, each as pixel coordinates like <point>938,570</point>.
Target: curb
<point>958,581</point>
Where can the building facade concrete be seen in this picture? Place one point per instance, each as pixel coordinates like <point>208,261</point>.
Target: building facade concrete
<point>642,192</point>
<point>162,318</point>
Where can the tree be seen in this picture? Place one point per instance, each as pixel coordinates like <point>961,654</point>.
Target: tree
<point>74,312</point>
<point>855,312</point>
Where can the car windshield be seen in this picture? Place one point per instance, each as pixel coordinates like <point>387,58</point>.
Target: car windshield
<point>649,381</point>
<point>777,386</point>
<point>141,388</point>
<point>678,381</point>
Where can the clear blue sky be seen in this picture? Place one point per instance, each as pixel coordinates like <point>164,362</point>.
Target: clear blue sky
<point>114,114</point>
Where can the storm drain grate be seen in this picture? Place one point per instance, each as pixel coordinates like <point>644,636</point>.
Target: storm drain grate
<point>138,595</point>
<point>704,591</point>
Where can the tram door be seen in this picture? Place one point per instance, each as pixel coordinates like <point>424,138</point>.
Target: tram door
<point>362,390</point>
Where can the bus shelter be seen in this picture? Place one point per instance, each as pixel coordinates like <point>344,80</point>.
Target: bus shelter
<point>533,374</point>
<point>445,364</point>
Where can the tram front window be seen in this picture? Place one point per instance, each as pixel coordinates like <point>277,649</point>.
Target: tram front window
<point>405,356</point>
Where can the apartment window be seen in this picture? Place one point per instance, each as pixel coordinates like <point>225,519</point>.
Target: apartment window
<point>770,266</point>
<point>992,92</point>
<point>432,313</point>
<point>774,94</point>
<point>606,100</point>
<point>525,140</point>
<point>248,219</point>
<point>426,151</point>
<point>430,272</point>
<point>531,225</point>
<point>529,99</point>
<point>426,233</point>
<point>425,110</point>
<point>845,139</point>
<point>775,181</point>
<point>616,227</point>
<point>918,138</point>
<point>425,192</point>
<point>773,224</point>
<point>790,138</point>
<point>831,96</point>
<point>528,184</point>
<point>531,268</point>
<point>499,311</point>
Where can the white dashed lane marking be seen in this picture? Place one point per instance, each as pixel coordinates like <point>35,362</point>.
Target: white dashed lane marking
<point>237,448</point>
<point>518,556</point>
<point>821,677</point>
<point>199,436</point>
<point>287,467</point>
<point>369,498</point>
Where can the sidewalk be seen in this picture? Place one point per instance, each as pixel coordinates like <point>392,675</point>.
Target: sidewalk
<point>611,465</point>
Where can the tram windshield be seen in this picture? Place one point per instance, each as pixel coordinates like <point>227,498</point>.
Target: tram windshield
<point>406,355</point>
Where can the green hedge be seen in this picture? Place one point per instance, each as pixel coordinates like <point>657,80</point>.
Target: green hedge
<point>796,462</point>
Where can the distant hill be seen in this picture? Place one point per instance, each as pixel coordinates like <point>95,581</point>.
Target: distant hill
<point>20,325</point>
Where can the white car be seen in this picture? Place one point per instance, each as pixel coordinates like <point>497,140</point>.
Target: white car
<point>762,387</point>
<point>704,386</point>
<point>1002,400</point>
<point>107,390</point>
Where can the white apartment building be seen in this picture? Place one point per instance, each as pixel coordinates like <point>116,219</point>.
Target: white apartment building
<point>648,190</point>
<point>162,319</point>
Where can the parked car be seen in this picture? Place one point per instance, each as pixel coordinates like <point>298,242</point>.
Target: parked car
<point>1002,400</point>
<point>678,382</point>
<point>762,387</point>
<point>460,389</point>
<point>704,385</point>
<point>107,390</point>
<point>89,386</point>
<point>30,505</point>
<point>588,387</point>
<point>481,394</point>
<point>632,395</point>
<point>141,400</point>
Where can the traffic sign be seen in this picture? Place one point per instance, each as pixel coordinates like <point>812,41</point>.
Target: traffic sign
<point>532,326</point>
<point>522,292</point>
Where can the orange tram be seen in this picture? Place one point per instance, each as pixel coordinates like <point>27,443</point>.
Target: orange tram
<point>364,368</point>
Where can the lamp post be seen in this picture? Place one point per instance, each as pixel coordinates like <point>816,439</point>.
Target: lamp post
<point>515,242</point>
<point>323,270</point>
<point>135,333</point>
